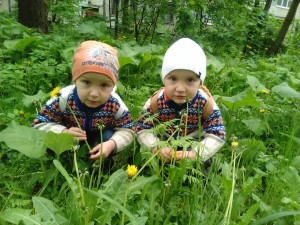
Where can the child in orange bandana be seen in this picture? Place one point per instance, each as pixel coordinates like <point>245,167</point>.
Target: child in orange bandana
<point>93,101</point>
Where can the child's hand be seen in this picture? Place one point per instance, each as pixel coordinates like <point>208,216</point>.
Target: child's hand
<point>77,132</point>
<point>166,154</point>
<point>186,154</point>
<point>107,148</point>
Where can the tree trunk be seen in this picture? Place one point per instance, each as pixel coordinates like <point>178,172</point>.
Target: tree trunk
<point>267,5</point>
<point>117,18</point>
<point>125,14</point>
<point>134,9</point>
<point>285,26</point>
<point>34,14</point>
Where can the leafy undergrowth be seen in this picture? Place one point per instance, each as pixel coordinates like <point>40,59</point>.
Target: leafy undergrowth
<point>253,181</point>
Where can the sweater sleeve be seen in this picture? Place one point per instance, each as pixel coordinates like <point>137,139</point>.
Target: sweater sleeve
<point>49,117</point>
<point>144,125</point>
<point>124,127</point>
<point>214,134</point>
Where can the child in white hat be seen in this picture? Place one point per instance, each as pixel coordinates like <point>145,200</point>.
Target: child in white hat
<point>93,102</point>
<point>183,96</point>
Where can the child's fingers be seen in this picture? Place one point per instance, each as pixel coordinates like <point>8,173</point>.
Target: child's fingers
<point>95,149</point>
<point>77,132</point>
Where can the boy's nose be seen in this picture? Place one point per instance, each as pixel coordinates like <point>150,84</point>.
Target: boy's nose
<point>94,92</point>
<point>180,86</point>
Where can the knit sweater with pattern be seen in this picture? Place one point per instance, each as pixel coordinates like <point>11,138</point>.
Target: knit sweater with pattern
<point>55,116</point>
<point>212,128</point>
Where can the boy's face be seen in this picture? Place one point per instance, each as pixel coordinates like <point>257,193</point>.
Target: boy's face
<point>181,85</point>
<point>94,89</point>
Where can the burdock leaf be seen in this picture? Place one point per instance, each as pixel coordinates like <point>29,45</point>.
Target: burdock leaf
<point>26,140</point>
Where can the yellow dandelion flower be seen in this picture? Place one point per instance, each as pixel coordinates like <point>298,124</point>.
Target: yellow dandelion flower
<point>234,144</point>
<point>131,170</point>
<point>262,110</point>
<point>265,92</point>
<point>55,92</point>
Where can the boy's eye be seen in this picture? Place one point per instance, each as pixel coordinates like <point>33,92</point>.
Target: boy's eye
<point>173,78</point>
<point>103,85</point>
<point>190,80</point>
<point>86,81</point>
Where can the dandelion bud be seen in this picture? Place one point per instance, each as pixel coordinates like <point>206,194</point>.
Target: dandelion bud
<point>234,144</point>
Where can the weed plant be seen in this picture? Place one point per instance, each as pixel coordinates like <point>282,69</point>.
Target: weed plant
<point>254,179</point>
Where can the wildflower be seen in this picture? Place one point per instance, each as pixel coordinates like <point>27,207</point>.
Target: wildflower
<point>55,92</point>
<point>175,154</point>
<point>234,144</point>
<point>131,170</point>
<point>167,183</point>
<point>101,124</point>
<point>262,110</point>
<point>264,92</point>
<point>75,148</point>
<point>21,113</point>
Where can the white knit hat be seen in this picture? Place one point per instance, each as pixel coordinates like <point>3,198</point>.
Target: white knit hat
<point>187,55</point>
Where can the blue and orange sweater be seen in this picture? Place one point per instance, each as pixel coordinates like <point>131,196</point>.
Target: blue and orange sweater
<point>56,116</point>
<point>212,128</point>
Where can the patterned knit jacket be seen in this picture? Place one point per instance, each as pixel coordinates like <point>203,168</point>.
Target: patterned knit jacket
<point>212,128</point>
<point>56,116</point>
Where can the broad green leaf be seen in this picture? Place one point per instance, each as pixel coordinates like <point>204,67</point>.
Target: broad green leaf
<point>59,142</point>
<point>255,83</point>
<point>212,60</point>
<point>245,98</point>
<point>139,221</point>
<point>148,58</point>
<point>248,216</point>
<point>26,140</point>
<point>294,80</point>
<point>25,43</point>
<point>128,60</point>
<point>139,183</point>
<point>115,188</point>
<point>10,44</point>
<point>284,90</point>
<point>95,29</point>
<point>29,100</point>
<point>296,163</point>
<point>250,148</point>
<point>251,184</point>
<point>114,180</point>
<point>16,215</point>
<point>47,211</point>
<point>254,125</point>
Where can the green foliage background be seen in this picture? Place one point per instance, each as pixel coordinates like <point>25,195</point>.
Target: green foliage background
<point>255,183</point>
